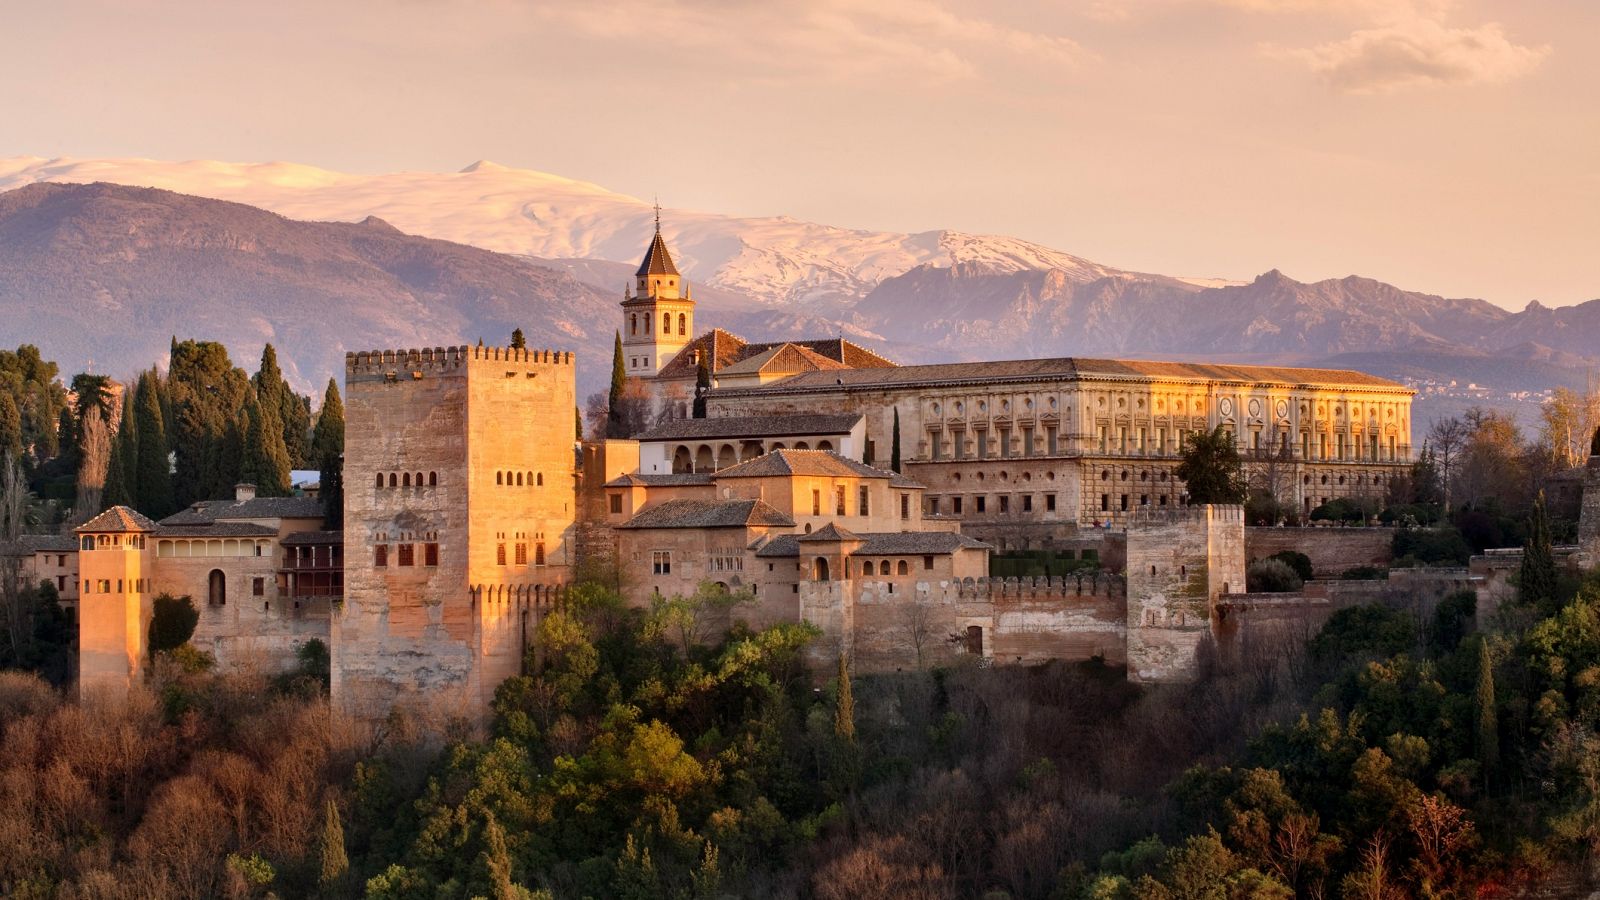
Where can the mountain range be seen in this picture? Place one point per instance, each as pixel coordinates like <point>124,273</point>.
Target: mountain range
<point>108,272</point>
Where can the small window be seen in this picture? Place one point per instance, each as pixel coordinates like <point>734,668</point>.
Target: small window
<point>500,554</point>
<point>616,504</point>
<point>499,478</point>
<point>955,505</point>
<point>1105,502</point>
<point>661,562</point>
<point>1005,503</point>
<point>522,554</point>
<point>1027,503</point>
<point>407,555</point>
<point>816,503</point>
<point>905,506</point>
<point>258,587</point>
<point>538,553</point>
<point>380,479</point>
<point>519,479</point>
<point>538,479</point>
<point>405,480</point>
<point>838,500</point>
<point>430,554</point>
<point>927,563</point>
<point>1049,502</point>
<point>394,481</point>
<point>863,506</point>
<point>380,555</point>
<point>982,502</point>
<point>433,479</point>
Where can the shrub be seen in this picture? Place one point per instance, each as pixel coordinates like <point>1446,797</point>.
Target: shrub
<point>1430,546</point>
<point>1342,509</point>
<point>1294,559</point>
<point>1365,573</point>
<point>1272,576</point>
<point>1372,628</point>
<point>1452,619</point>
<point>172,622</point>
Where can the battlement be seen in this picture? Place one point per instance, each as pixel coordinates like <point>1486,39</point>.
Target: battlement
<point>445,359</point>
<point>1151,516</point>
<point>1101,584</point>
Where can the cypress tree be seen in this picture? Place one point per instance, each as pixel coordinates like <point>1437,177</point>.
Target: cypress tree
<point>894,448</point>
<point>10,426</point>
<point>1488,712</point>
<point>497,859</point>
<point>120,482</point>
<point>327,446</point>
<point>844,710</point>
<point>264,461</point>
<point>577,422</point>
<point>619,378</point>
<point>702,383</point>
<point>1537,581</point>
<point>333,863</point>
<point>518,342</point>
<point>292,410</point>
<point>152,484</point>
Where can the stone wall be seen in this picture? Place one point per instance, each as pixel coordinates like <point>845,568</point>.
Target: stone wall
<point>1180,560</point>
<point>1332,550</point>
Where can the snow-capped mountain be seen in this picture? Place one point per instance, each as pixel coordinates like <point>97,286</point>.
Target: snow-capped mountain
<point>775,261</point>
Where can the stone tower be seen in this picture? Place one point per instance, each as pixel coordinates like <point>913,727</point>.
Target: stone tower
<point>657,313</point>
<point>1180,561</point>
<point>114,603</point>
<point>459,517</point>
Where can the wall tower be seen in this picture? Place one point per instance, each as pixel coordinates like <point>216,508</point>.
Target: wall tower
<point>657,311</point>
<point>114,608</point>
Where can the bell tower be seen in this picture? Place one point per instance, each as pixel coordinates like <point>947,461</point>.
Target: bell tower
<point>657,311</point>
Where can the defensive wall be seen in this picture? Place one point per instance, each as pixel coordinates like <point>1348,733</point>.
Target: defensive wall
<point>1333,551</point>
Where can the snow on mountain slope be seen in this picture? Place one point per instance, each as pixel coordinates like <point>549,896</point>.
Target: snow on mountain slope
<point>777,261</point>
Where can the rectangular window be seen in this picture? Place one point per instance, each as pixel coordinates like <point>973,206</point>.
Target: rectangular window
<point>522,554</point>
<point>407,555</point>
<point>1102,436</point>
<point>958,441</point>
<point>105,585</point>
<point>982,502</point>
<point>380,555</point>
<point>1049,502</point>
<point>430,554</point>
<point>538,554</point>
<point>1122,440</point>
<point>927,562</point>
<point>616,503</point>
<point>1105,502</point>
<point>1124,502</point>
<point>1005,442</point>
<point>816,503</point>
<point>1027,442</point>
<point>1050,440</point>
<point>1027,503</point>
<point>905,506</point>
<point>1005,503</point>
<point>863,507</point>
<point>258,587</point>
<point>956,502</point>
<point>1144,499</point>
<point>936,440</point>
<point>661,562</point>
<point>499,554</point>
<point>983,443</point>
<point>838,500</point>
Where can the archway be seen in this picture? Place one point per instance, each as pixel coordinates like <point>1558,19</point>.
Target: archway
<point>819,569</point>
<point>217,588</point>
<point>824,445</point>
<point>702,459</point>
<point>726,456</point>
<point>682,462</point>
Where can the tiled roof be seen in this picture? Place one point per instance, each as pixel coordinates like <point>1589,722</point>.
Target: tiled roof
<point>258,508</point>
<point>724,349</point>
<point>750,426</point>
<point>657,261</point>
<point>802,462</point>
<point>830,533</point>
<point>216,530</point>
<point>678,479</point>
<point>709,514</point>
<point>313,537</point>
<point>883,543</point>
<point>784,358</point>
<point>1064,368</point>
<point>117,519</point>
<point>48,543</point>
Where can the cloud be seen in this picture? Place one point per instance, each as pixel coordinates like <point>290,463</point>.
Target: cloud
<point>1418,52</point>
<point>828,38</point>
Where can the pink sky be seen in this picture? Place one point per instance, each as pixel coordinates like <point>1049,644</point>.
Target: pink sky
<point>1449,146</point>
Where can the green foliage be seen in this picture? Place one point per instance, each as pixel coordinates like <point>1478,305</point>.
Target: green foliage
<point>844,706</point>
<point>1211,469</point>
<point>1430,547</point>
<point>252,870</point>
<point>1364,573</point>
<point>518,342</point>
<point>265,460</point>
<point>39,638</point>
<point>615,426</point>
<point>894,451</point>
<point>327,451</point>
<point>31,401</point>
<point>1299,562</point>
<point>1350,510</point>
<point>1488,712</point>
<point>208,397</point>
<point>152,469</point>
<point>120,476</point>
<point>172,622</point>
<point>702,384</point>
<point>1361,630</point>
<point>332,863</point>
<point>1271,576</point>
<point>1536,583</point>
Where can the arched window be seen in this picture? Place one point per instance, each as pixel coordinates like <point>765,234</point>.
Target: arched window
<point>683,324</point>
<point>418,482</point>
<point>499,478</point>
<point>538,479</point>
<point>903,568</point>
<point>519,479</point>
<point>433,479</point>
<point>633,324</point>
<point>393,481</point>
<point>380,479</point>
<point>217,588</point>
<point>819,569</point>
<point>666,323</point>
<point>538,553</point>
<point>405,480</point>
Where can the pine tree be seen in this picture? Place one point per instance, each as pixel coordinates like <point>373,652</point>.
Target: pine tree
<point>844,710</point>
<point>264,462</point>
<point>619,378</point>
<point>152,484</point>
<point>1211,469</point>
<point>497,859</point>
<point>1488,712</point>
<point>327,448</point>
<point>1537,581</point>
<point>702,384</point>
<point>332,859</point>
<point>894,448</point>
<point>518,342</point>
<point>119,489</point>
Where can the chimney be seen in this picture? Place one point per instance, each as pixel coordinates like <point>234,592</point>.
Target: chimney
<point>244,491</point>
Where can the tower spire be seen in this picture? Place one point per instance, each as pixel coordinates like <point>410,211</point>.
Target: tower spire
<point>658,214</point>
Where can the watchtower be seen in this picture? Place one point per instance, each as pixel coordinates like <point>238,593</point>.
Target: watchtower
<point>114,609</point>
<point>1180,561</point>
<point>657,313</point>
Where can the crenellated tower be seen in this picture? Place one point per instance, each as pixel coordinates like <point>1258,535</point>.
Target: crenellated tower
<point>657,311</point>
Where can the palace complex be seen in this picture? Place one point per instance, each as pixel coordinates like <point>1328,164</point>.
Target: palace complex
<point>825,482</point>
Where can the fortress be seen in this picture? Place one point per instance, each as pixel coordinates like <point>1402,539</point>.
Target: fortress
<point>469,505</point>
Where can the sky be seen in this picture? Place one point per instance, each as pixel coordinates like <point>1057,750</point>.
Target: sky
<point>1446,146</point>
